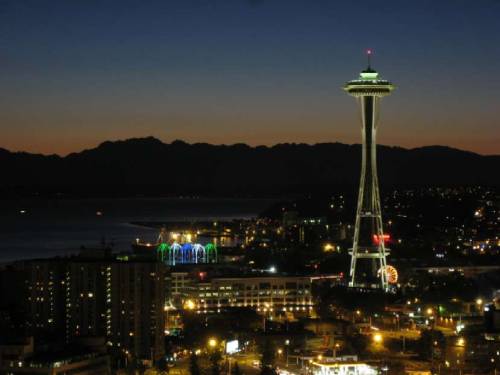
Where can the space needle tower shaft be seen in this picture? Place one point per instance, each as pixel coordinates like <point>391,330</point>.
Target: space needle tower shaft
<point>368,242</point>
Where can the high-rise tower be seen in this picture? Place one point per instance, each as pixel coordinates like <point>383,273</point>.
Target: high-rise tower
<point>368,244</point>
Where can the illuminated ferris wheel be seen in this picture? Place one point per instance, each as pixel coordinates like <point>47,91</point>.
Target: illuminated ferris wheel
<point>391,274</point>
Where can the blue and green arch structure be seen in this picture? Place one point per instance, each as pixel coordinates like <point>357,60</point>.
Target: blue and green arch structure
<point>187,253</point>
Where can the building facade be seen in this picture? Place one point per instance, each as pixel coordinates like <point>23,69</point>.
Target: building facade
<point>273,295</point>
<point>121,301</point>
<point>136,318</point>
<point>44,291</point>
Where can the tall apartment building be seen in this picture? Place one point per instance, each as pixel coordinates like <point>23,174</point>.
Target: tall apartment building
<point>85,297</point>
<point>13,307</point>
<point>136,317</point>
<point>44,291</point>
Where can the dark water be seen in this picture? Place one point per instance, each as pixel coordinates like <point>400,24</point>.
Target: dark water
<point>59,227</point>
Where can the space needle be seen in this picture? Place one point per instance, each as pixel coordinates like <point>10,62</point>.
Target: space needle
<point>368,254</point>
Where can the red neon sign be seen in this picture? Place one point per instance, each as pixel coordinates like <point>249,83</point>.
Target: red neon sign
<point>376,239</point>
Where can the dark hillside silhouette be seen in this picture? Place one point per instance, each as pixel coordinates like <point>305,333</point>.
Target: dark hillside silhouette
<point>147,165</point>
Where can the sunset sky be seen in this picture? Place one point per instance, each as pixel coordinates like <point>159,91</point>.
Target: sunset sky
<point>79,72</point>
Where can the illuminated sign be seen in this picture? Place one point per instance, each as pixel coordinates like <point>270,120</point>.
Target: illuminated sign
<point>232,347</point>
<point>385,237</point>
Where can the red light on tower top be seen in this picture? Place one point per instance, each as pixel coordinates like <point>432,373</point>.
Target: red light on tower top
<point>368,56</point>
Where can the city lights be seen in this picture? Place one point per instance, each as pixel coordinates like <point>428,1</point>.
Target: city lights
<point>274,249</point>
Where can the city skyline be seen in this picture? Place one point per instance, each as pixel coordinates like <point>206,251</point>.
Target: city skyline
<point>256,72</point>
<point>214,187</point>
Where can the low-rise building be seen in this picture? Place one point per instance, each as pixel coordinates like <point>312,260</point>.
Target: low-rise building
<point>272,295</point>
<point>84,364</point>
<point>21,357</point>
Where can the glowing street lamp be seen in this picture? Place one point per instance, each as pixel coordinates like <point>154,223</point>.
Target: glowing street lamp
<point>335,348</point>
<point>328,248</point>
<point>189,304</point>
<point>287,343</point>
<point>212,342</point>
<point>378,338</point>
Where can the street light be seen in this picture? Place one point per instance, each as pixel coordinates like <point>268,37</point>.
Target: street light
<point>377,338</point>
<point>287,343</point>
<point>189,305</point>
<point>354,314</point>
<point>212,343</point>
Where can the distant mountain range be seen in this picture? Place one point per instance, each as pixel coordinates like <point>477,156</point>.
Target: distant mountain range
<point>147,165</point>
